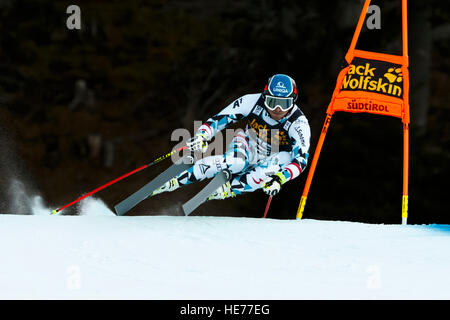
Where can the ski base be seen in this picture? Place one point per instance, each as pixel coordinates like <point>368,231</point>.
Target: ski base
<point>127,204</point>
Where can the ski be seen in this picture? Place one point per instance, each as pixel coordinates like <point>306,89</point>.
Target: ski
<point>127,204</point>
<point>221,178</point>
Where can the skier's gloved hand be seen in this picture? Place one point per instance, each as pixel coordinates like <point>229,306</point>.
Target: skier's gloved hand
<point>197,143</point>
<point>273,185</point>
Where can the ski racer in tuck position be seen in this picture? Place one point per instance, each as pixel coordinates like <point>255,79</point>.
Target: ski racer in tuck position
<point>272,150</point>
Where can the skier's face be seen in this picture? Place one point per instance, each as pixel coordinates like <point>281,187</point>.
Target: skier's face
<point>277,114</point>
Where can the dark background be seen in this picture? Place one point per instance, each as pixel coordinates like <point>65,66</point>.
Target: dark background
<point>79,108</point>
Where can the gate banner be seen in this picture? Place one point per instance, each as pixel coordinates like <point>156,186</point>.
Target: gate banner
<point>372,83</point>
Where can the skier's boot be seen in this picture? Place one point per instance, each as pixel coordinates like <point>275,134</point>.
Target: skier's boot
<point>169,186</point>
<point>222,192</point>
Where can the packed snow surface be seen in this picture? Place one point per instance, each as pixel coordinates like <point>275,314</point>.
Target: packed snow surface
<point>98,255</point>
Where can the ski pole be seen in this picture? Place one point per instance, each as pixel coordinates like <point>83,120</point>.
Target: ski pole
<point>267,207</point>
<point>120,178</point>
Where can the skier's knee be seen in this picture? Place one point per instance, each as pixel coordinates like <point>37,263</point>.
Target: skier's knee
<point>236,164</point>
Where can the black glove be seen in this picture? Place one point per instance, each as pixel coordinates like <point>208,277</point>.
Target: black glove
<point>273,185</point>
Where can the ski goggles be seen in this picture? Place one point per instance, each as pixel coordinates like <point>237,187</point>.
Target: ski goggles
<point>284,104</point>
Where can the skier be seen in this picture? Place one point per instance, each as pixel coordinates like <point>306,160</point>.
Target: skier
<point>272,150</point>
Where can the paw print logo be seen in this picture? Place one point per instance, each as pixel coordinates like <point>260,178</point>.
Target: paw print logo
<point>283,139</point>
<point>280,138</point>
<point>394,75</point>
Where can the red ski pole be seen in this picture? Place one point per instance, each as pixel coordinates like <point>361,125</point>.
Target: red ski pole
<point>120,178</point>
<point>267,207</point>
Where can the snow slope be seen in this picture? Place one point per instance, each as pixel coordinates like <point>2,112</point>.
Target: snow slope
<point>100,256</point>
